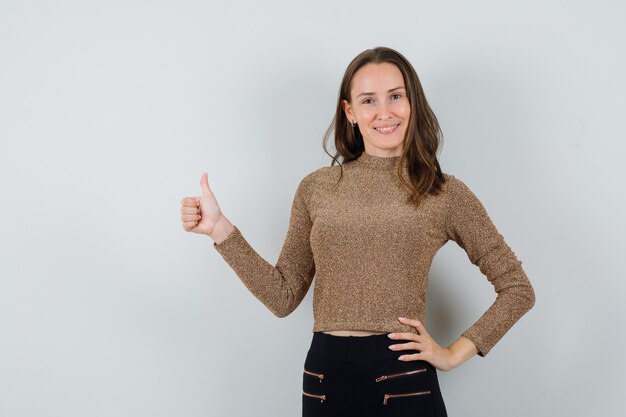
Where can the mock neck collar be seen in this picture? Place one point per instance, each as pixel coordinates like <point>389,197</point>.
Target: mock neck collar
<point>384,163</point>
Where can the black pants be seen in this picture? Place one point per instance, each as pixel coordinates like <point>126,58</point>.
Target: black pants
<point>359,376</point>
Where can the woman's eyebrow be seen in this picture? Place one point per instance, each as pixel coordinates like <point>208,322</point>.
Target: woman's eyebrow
<point>371,94</point>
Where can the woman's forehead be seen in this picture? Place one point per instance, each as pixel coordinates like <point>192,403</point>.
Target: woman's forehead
<point>377,78</point>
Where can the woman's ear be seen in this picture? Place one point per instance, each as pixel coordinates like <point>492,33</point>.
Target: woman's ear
<point>347,110</point>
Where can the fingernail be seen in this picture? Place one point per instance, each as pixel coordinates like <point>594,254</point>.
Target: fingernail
<point>390,335</point>
<point>401,318</point>
<point>392,347</point>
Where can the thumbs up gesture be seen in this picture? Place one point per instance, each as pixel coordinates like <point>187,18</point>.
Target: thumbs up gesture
<point>202,214</point>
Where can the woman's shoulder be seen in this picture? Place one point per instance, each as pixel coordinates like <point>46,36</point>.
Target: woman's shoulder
<point>460,194</point>
<point>449,177</point>
<point>457,191</point>
<point>322,174</point>
<point>313,179</point>
<point>449,180</point>
<point>453,182</point>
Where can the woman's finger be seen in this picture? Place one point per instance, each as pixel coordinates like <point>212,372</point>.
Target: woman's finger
<point>414,323</point>
<point>189,210</point>
<point>405,346</point>
<point>204,185</point>
<point>412,357</point>
<point>190,201</point>
<point>189,225</point>
<point>403,336</point>
<point>422,329</point>
<point>190,217</point>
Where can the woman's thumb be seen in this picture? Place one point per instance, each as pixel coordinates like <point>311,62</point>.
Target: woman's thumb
<point>204,183</point>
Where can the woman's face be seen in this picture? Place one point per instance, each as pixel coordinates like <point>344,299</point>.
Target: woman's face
<point>380,107</point>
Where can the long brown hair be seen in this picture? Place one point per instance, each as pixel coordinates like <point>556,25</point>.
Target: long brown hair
<point>423,134</point>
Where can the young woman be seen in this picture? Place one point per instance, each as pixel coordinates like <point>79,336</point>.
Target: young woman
<point>367,229</point>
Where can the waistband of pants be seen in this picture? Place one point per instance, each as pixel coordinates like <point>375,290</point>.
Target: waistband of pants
<point>356,347</point>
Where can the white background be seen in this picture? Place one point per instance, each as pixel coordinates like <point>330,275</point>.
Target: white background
<point>111,111</point>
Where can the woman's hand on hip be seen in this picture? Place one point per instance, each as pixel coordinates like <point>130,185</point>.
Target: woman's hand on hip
<point>430,351</point>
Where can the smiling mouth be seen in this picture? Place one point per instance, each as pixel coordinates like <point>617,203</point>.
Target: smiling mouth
<point>386,129</point>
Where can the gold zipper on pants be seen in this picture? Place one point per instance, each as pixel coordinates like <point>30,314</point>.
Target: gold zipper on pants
<point>387,396</point>
<point>320,376</point>
<point>322,398</point>
<point>416,371</point>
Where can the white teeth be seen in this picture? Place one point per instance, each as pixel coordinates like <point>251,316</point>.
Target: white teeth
<point>386,129</point>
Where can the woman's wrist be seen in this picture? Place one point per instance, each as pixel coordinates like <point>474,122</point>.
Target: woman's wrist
<point>223,228</point>
<point>461,350</point>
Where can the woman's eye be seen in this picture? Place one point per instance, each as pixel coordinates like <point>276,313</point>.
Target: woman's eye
<point>396,97</point>
<point>367,101</point>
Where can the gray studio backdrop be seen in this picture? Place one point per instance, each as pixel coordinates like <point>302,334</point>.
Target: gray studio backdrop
<point>111,111</point>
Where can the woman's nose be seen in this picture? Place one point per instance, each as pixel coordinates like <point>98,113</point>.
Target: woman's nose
<point>384,113</point>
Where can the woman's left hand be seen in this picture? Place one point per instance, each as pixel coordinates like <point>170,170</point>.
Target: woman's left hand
<point>441,358</point>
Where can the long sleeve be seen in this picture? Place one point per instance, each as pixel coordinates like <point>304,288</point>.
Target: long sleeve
<point>282,287</point>
<point>469,225</point>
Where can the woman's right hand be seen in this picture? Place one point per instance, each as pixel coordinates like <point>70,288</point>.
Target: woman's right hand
<point>202,214</point>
